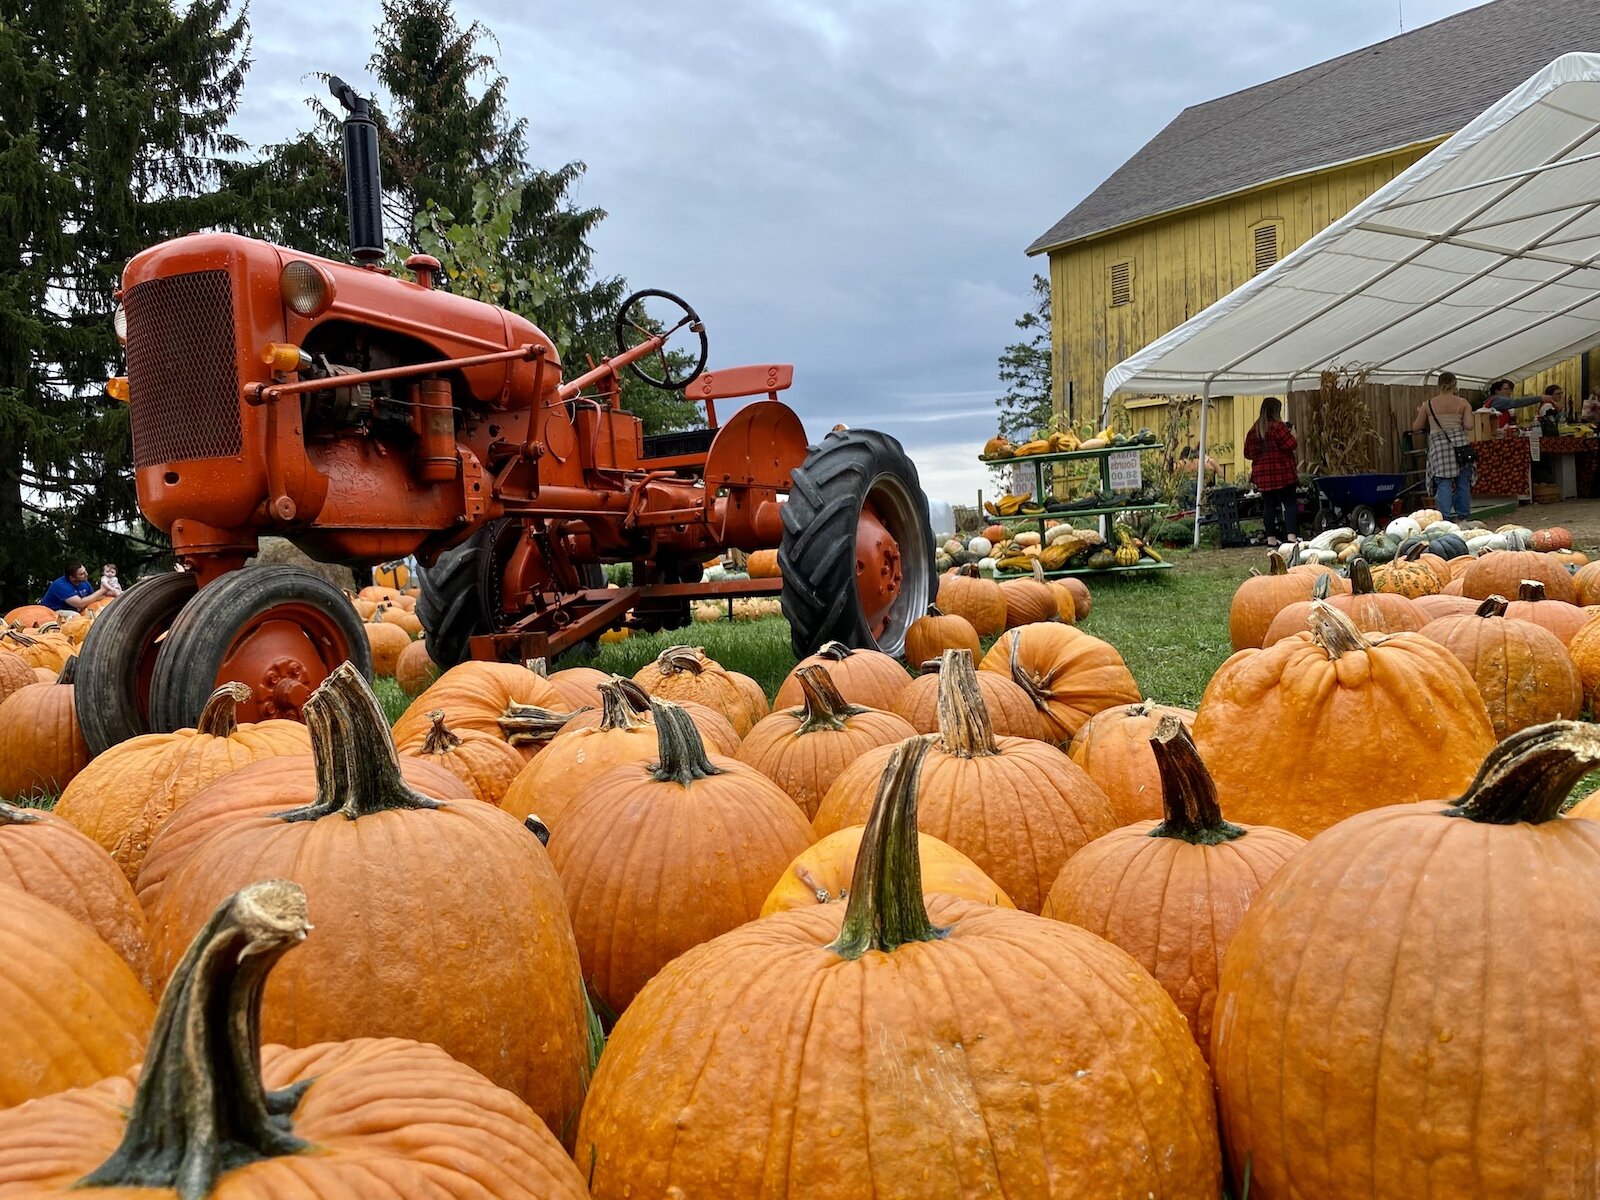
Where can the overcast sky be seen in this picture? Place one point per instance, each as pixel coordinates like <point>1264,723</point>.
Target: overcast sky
<point>847,185</point>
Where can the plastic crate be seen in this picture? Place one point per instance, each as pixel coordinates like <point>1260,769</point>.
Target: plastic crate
<point>1223,504</point>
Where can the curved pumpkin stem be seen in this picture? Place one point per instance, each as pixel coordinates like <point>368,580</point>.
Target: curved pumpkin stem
<point>638,698</point>
<point>969,571</point>
<point>683,757</point>
<point>681,658</point>
<point>439,740</point>
<point>539,666</point>
<point>1335,632</point>
<point>837,651</point>
<point>69,670</point>
<point>1022,677</point>
<point>1361,583</point>
<point>1277,564</point>
<point>1188,796</point>
<point>1493,606</point>
<point>1530,589</point>
<point>1529,776</point>
<point>201,1108</point>
<point>617,710</point>
<point>1324,584</point>
<point>825,708</point>
<point>220,716</point>
<point>12,814</point>
<point>358,772</point>
<point>934,611</point>
<point>886,909</point>
<point>964,726</point>
<point>525,724</point>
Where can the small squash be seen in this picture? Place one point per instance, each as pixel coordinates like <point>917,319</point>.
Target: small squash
<point>936,631</point>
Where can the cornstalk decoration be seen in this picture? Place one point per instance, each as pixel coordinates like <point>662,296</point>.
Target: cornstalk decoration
<point>1335,425</point>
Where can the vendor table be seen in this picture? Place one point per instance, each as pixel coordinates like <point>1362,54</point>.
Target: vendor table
<point>1575,460</point>
<point>1502,467</point>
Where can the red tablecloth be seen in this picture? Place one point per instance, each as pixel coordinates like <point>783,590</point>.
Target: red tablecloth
<point>1502,467</point>
<point>1584,449</point>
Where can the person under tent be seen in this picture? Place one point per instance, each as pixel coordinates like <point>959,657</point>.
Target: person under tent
<point>1451,459</point>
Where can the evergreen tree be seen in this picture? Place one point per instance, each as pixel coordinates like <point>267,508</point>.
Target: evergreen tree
<point>113,118</point>
<point>451,155</point>
<point>1025,371</point>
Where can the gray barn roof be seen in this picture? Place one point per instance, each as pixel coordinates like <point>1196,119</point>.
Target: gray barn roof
<point>1412,88</point>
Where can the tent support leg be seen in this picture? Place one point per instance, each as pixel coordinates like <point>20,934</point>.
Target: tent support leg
<point>1200,463</point>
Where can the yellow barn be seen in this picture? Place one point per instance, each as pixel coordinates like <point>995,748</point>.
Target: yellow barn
<point>1234,184</point>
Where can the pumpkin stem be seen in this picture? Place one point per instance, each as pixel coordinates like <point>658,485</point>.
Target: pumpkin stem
<point>886,909</point>
<point>964,726</point>
<point>1361,582</point>
<point>539,666</point>
<point>837,651</point>
<point>220,716</point>
<point>1023,678</point>
<point>69,671</point>
<point>1530,589</point>
<point>681,658</point>
<point>683,756</point>
<point>526,724</point>
<point>638,698</point>
<point>1277,564</point>
<point>969,571</point>
<point>439,740</point>
<point>12,814</point>
<point>1493,606</point>
<point>934,611</point>
<point>1188,796</point>
<point>616,707</point>
<point>201,1108</point>
<point>358,772</point>
<point>1529,776</point>
<point>1320,589</point>
<point>825,708</point>
<point>1335,632</point>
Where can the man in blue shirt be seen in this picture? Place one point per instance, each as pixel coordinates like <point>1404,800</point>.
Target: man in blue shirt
<point>72,590</point>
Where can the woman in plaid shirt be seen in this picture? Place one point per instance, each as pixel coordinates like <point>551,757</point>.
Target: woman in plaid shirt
<point>1447,417</point>
<point>1270,447</point>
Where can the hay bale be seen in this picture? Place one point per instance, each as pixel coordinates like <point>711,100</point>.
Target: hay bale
<point>280,552</point>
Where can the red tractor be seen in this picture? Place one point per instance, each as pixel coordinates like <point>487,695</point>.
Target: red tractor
<point>365,417</point>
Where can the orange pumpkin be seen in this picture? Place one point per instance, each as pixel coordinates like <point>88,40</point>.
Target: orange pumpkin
<point>75,1011</point>
<point>1029,600</point>
<point>45,647</point>
<point>1262,597</point>
<point>1394,951</point>
<point>1501,572</point>
<point>580,686</point>
<point>1017,807</point>
<point>688,673</point>
<point>715,731</point>
<point>763,564</point>
<point>1321,697</point>
<point>437,921</point>
<point>388,643</point>
<point>1456,587</point>
<point>866,677</point>
<point>213,1113</point>
<point>1173,892</point>
<point>486,764</point>
<point>966,593</point>
<point>398,614</point>
<point>1058,1039</point>
<point>1068,675</point>
<point>1081,595</point>
<point>803,750</point>
<point>1522,670</point>
<point>41,746</point>
<point>932,634</point>
<point>15,674</point>
<point>1586,584</point>
<point>658,857</point>
<point>1584,648</point>
<point>1444,605</point>
<point>51,861</point>
<point>822,874</point>
<point>1113,747</point>
<point>126,794</point>
<point>1011,710</point>
<point>30,616</point>
<point>996,534</point>
<point>1554,538</point>
<point>415,669</point>
<point>476,697</point>
<point>1560,618</point>
<point>1371,610</point>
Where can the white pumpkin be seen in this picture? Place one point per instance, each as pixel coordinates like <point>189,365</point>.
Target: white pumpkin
<point>986,567</point>
<point>1402,528</point>
<point>1330,539</point>
<point>981,546</point>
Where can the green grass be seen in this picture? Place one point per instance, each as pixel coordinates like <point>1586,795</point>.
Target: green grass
<point>390,698</point>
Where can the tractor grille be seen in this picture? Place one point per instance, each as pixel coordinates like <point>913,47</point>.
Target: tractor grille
<point>183,379</point>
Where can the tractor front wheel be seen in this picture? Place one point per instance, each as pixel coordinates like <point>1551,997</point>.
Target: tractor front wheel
<point>857,550</point>
<point>279,630</point>
<point>117,660</point>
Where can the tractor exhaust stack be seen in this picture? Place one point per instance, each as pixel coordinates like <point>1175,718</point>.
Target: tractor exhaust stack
<point>362,180</point>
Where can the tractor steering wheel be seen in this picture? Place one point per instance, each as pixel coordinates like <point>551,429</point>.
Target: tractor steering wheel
<point>635,325</point>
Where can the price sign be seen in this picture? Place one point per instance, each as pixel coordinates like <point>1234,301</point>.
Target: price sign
<point>1124,470</point>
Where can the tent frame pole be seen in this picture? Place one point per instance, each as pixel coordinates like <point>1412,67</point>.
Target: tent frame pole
<point>1200,463</point>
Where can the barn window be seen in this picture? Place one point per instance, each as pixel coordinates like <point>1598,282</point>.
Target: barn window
<point>1121,282</point>
<point>1265,245</point>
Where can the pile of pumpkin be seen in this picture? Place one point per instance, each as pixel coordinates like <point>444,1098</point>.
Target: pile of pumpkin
<point>1061,546</point>
<point>998,927</point>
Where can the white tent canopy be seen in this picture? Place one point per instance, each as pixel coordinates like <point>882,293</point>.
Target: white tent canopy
<point>1482,259</point>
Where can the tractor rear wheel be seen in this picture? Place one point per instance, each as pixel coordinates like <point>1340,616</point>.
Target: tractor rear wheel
<point>279,630</point>
<point>118,659</point>
<point>857,550</point>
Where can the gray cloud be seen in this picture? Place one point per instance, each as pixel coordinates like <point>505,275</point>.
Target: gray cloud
<point>846,185</point>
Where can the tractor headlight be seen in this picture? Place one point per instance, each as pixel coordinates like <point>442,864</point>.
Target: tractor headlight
<point>306,288</point>
<point>119,322</point>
